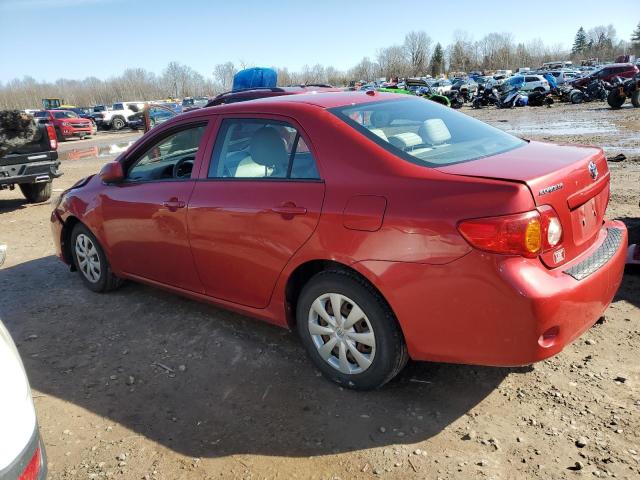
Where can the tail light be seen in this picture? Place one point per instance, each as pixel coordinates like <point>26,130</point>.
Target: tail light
<point>53,140</point>
<point>32,469</point>
<point>527,234</point>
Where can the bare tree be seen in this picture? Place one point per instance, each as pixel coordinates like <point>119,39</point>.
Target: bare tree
<point>223,73</point>
<point>417,46</point>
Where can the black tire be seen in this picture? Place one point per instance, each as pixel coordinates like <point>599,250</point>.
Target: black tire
<point>635,98</point>
<point>577,97</point>
<point>390,354</point>
<point>117,123</point>
<point>36,192</point>
<point>106,280</point>
<point>59,136</point>
<point>615,100</point>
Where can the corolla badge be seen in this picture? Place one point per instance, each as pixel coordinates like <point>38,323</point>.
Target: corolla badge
<point>593,170</point>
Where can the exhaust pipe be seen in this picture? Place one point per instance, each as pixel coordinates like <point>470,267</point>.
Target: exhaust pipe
<point>42,179</point>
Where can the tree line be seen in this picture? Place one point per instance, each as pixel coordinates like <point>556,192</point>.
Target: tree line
<point>417,55</point>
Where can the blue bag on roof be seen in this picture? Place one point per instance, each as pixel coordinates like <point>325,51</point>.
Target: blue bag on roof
<point>255,78</point>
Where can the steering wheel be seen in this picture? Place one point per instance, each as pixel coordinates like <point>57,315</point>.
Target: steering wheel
<point>179,171</point>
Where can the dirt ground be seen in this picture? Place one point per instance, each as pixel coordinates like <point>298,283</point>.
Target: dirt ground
<point>142,384</point>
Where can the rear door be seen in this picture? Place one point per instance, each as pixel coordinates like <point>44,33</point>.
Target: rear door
<point>255,204</point>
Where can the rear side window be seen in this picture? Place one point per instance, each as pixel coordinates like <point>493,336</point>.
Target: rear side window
<point>426,133</point>
<point>259,148</point>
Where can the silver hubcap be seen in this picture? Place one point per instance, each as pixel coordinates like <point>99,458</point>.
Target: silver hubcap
<point>88,259</point>
<point>342,333</point>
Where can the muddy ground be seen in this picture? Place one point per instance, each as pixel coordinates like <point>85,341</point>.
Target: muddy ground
<point>144,384</point>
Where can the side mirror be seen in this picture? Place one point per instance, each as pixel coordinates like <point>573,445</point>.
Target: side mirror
<point>112,172</point>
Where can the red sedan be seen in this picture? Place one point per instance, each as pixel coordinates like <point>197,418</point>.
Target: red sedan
<point>381,226</point>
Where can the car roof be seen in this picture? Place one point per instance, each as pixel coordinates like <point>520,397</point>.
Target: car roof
<point>283,104</point>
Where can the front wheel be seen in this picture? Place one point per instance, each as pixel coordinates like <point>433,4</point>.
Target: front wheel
<point>577,97</point>
<point>36,192</point>
<point>91,262</point>
<point>349,331</point>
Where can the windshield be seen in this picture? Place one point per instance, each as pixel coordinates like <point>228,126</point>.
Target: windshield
<point>66,114</point>
<point>426,133</point>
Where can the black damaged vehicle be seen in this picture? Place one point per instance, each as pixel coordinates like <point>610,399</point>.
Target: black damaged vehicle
<point>28,155</point>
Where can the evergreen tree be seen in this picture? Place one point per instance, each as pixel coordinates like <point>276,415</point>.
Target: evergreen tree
<point>580,43</point>
<point>437,60</point>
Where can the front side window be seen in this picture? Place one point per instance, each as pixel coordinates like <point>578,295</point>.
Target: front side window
<point>258,148</point>
<point>172,158</point>
<point>426,133</point>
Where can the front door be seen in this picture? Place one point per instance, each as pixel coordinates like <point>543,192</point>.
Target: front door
<point>145,216</point>
<point>257,203</point>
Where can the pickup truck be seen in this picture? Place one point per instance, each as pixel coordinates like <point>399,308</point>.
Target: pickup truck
<point>118,116</point>
<point>66,123</point>
<point>31,165</point>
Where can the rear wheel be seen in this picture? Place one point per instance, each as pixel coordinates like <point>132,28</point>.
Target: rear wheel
<point>91,262</point>
<point>635,98</point>
<point>117,123</point>
<point>614,99</point>
<point>349,331</point>
<point>36,192</point>
<point>59,135</point>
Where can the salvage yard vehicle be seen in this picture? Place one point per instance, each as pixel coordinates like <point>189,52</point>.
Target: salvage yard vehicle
<point>622,89</point>
<point>67,124</point>
<point>379,226</point>
<point>22,453</point>
<point>607,73</point>
<point>117,117</point>
<point>28,156</point>
<point>534,83</point>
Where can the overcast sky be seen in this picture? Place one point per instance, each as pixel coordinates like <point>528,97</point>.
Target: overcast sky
<point>49,39</point>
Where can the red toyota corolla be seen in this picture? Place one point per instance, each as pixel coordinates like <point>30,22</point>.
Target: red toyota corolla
<point>381,226</point>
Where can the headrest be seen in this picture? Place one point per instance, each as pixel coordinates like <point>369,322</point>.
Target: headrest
<point>434,132</point>
<point>405,140</point>
<point>380,119</point>
<point>267,148</point>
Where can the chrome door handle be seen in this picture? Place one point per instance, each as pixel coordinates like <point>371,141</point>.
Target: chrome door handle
<point>289,210</point>
<point>173,204</point>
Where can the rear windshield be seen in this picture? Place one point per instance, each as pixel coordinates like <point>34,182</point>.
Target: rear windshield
<point>426,133</point>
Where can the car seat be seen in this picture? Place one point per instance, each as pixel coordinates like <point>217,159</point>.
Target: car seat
<point>434,132</point>
<point>268,149</point>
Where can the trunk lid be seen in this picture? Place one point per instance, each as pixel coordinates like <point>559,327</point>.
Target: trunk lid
<point>573,180</point>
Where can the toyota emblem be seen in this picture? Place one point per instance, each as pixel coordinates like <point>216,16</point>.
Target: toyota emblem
<point>593,170</point>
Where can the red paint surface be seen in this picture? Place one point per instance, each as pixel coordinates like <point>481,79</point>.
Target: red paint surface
<point>236,243</point>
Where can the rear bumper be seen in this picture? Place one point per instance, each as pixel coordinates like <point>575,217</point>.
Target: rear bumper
<point>495,310</point>
<point>31,462</point>
<point>31,172</point>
